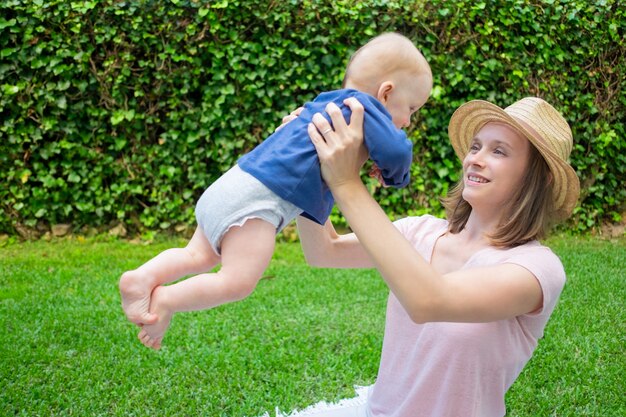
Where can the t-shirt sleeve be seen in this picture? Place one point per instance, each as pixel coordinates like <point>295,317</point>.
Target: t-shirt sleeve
<point>388,147</point>
<point>403,224</point>
<point>549,272</point>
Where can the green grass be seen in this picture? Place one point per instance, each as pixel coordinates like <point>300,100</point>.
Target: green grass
<point>304,335</point>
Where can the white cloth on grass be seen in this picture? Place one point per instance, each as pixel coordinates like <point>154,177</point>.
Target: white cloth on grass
<point>348,407</point>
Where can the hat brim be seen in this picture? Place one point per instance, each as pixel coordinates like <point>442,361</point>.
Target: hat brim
<point>468,119</point>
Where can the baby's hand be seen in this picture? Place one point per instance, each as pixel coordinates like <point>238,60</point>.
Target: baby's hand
<point>376,173</point>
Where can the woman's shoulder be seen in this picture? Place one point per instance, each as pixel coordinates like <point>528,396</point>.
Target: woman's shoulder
<point>533,251</point>
<point>539,259</point>
<point>532,255</point>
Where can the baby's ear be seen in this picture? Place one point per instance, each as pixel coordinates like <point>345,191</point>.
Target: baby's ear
<point>386,87</point>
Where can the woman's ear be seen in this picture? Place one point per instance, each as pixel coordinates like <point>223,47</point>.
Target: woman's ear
<point>386,87</point>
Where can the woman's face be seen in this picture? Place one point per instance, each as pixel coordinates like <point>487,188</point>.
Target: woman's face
<point>495,165</point>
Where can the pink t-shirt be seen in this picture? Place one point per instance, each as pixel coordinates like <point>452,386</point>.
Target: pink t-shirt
<point>460,369</point>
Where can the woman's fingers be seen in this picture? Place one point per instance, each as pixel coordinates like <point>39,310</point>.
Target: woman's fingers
<point>290,117</point>
<point>340,135</point>
<point>293,114</point>
<point>318,141</point>
<point>336,117</point>
<point>339,140</point>
<point>322,125</point>
<point>356,119</point>
<point>347,135</point>
<point>339,145</point>
<point>339,125</point>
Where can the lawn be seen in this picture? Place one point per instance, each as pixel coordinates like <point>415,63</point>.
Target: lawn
<point>304,335</point>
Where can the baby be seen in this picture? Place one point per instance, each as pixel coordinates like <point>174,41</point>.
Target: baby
<point>240,214</point>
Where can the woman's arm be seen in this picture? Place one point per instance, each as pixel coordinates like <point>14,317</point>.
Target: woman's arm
<point>323,247</point>
<point>476,295</point>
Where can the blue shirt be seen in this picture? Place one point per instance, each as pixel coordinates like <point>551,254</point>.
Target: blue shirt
<point>287,163</point>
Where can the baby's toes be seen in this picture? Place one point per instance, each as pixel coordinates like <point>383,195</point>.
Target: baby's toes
<point>144,338</point>
<point>143,335</point>
<point>149,341</point>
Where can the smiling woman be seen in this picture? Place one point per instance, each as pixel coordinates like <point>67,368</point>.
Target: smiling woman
<point>548,187</point>
<point>502,164</point>
<point>471,295</point>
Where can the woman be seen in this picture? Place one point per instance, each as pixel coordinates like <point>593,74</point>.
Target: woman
<point>470,295</point>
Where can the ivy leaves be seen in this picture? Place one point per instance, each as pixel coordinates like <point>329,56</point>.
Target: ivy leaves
<point>125,111</point>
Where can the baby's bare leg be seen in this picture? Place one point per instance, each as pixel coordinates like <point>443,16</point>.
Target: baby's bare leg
<point>136,286</point>
<point>246,253</point>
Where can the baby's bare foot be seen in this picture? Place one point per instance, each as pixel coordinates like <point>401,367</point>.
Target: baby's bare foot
<point>135,289</point>
<point>151,335</point>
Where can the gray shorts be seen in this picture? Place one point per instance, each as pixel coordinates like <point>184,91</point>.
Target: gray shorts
<point>235,198</point>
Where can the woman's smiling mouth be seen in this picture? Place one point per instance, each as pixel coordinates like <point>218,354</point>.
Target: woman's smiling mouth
<point>476,178</point>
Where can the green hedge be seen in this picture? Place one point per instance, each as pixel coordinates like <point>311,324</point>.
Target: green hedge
<point>124,112</point>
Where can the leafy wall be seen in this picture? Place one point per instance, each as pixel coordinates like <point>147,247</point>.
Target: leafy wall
<point>125,111</point>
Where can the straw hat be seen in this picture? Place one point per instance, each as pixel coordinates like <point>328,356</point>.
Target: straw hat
<point>541,124</point>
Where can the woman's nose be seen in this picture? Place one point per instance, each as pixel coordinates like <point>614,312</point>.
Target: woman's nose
<point>475,158</point>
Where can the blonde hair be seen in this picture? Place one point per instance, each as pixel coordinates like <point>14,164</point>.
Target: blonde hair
<point>529,215</point>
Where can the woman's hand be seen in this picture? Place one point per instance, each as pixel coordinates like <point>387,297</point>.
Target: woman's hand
<point>341,151</point>
<point>290,117</point>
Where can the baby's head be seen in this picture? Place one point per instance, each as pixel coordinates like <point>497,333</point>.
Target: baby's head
<point>390,68</point>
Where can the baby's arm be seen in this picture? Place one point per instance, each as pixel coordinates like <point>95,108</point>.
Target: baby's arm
<point>388,147</point>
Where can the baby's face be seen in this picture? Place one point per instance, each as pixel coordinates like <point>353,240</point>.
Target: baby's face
<point>406,98</point>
